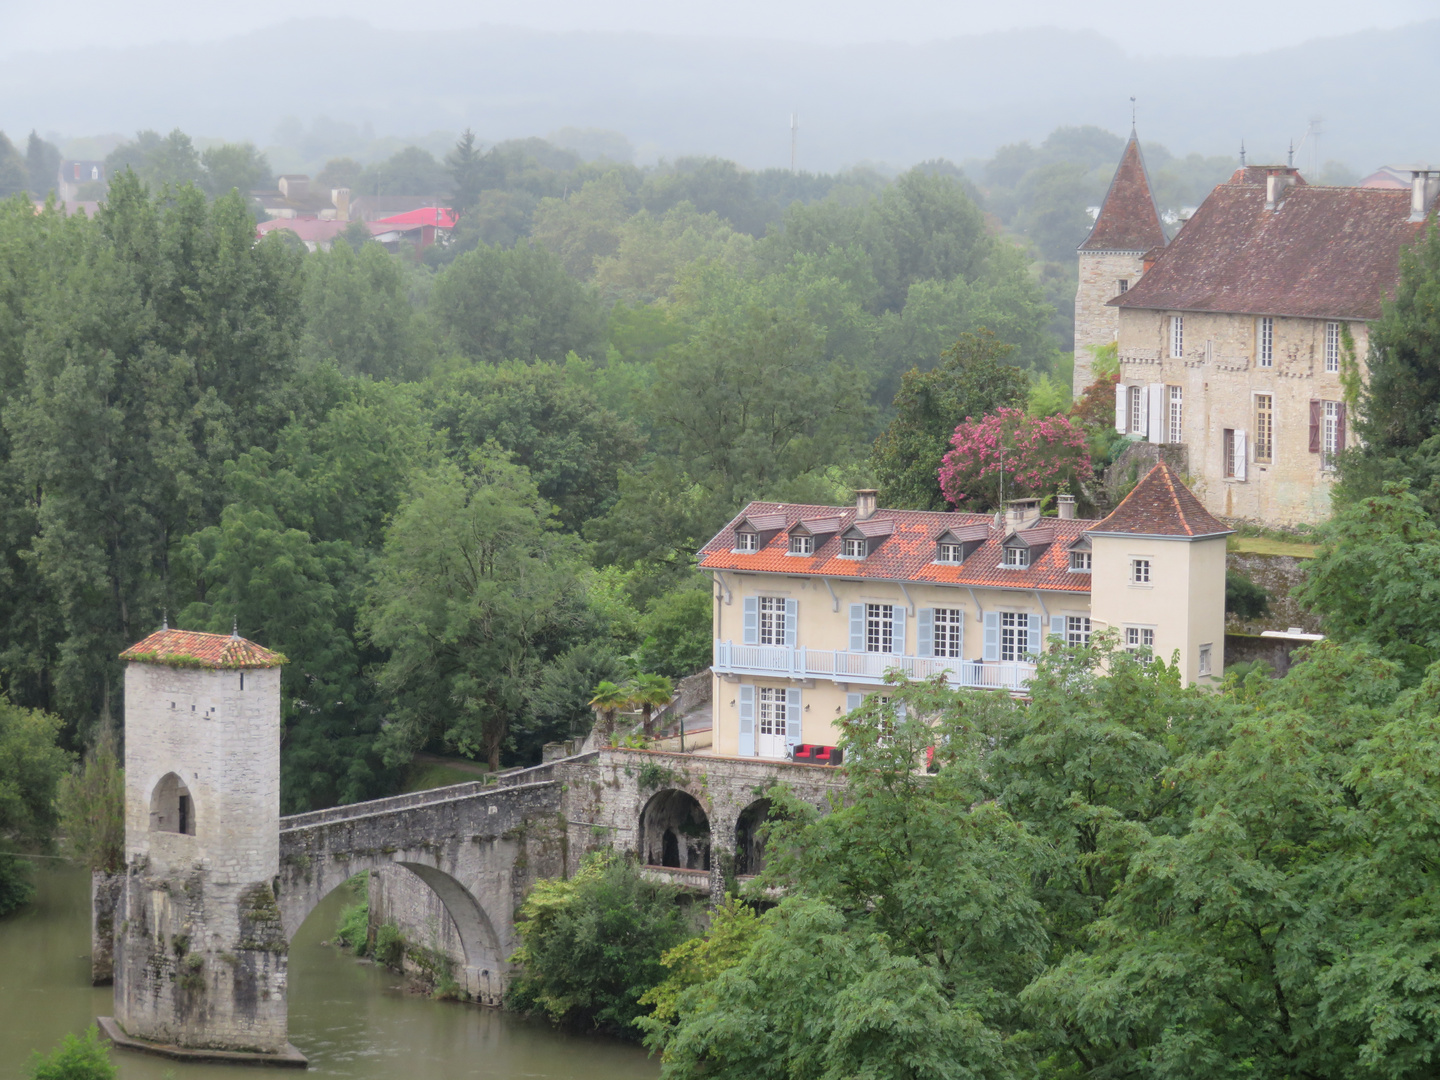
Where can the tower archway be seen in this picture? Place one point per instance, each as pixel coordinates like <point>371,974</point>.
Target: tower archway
<point>172,808</point>
<point>675,831</point>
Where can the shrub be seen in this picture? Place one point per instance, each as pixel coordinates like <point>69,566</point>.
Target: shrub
<point>353,931</point>
<point>76,1058</point>
<point>592,946</point>
<point>1014,452</point>
<point>389,946</point>
<point>92,807</point>
<point>1244,598</point>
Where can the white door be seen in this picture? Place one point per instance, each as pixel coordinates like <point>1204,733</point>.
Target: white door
<point>771,726</point>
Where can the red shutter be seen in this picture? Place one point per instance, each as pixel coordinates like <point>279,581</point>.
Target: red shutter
<point>1316,410</point>
<point>1340,428</point>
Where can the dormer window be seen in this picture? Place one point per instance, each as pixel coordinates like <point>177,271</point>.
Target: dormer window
<point>854,547</point>
<point>802,545</point>
<point>1016,558</point>
<point>745,540</point>
<point>950,553</point>
<point>1080,562</point>
<point>958,543</point>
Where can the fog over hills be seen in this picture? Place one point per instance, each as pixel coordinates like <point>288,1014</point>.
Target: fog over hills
<point>891,103</point>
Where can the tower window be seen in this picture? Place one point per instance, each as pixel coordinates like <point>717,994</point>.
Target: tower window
<point>1177,336</point>
<point>1265,333</point>
<point>1332,346</point>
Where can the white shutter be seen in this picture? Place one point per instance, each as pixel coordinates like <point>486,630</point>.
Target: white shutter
<point>792,612</point>
<point>925,632</point>
<point>897,640</point>
<point>992,635</point>
<point>752,621</point>
<point>857,627</point>
<point>747,721</point>
<point>1157,413</point>
<point>1122,409</point>
<point>792,718</point>
<point>1240,451</point>
<point>1057,627</point>
<point>1032,637</point>
<point>853,702</point>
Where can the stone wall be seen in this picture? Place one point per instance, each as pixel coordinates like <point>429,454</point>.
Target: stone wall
<point>1096,324</point>
<point>105,892</point>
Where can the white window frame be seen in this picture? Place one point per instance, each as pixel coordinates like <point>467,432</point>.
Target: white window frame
<point>1140,571</point>
<point>1139,637</point>
<point>771,625</point>
<point>1177,336</point>
<point>1015,558</point>
<point>1014,635</point>
<point>802,545</point>
<point>1329,435</point>
<point>1206,664</point>
<point>853,547</point>
<point>1265,341</point>
<point>1332,347</point>
<point>1175,415</point>
<point>1138,408</point>
<point>950,553</point>
<point>1081,562</point>
<point>747,541</point>
<point>1124,284</point>
<point>949,632</point>
<point>771,708</point>
<point>879,628</point>
<point>1077,630</point>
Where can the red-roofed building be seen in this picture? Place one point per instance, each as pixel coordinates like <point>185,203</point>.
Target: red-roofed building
<point>1112,256</point>
<point>423,227</point>
<point>815,604</point>
<point>1234,341</point>
<point>315,233</point>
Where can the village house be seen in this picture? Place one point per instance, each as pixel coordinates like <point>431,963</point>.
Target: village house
<point>815,604</point>
<point>1235,337</point>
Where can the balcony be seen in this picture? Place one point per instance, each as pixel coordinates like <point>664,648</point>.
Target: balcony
<point>840,665</point>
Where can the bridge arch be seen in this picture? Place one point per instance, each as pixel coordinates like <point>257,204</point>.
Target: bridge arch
<point>749,839</point>
<point>675,831</point>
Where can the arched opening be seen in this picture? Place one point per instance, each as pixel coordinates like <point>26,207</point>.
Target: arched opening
<point>750,838</point>
<point>171,808</point>
<point>675,831</point>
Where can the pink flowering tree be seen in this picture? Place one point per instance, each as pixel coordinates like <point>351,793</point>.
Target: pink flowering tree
<point>1035,456</point>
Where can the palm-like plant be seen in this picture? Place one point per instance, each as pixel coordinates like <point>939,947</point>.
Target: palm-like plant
<point>609,699</point>
<point>649,692</point>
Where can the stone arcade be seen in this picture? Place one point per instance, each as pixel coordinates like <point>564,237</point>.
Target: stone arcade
<point>217,883</point>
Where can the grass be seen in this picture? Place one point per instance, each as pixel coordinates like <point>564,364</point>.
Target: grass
<point>422,776</point>
<point>1268,545</point>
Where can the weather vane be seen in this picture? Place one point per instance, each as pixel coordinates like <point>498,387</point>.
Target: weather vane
<point>1132,112</point>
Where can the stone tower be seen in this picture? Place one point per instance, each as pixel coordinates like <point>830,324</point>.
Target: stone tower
<point>1112,257</point>
<point>200,956</point>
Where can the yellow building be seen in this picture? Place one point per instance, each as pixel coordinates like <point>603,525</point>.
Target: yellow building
<point>815,604</point>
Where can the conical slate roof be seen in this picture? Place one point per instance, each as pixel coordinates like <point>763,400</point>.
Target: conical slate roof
<point>1128,220</point>
<point>1161,505</point>
<point>192,648</point>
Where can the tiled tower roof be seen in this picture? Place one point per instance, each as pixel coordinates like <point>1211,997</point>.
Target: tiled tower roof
<point>1161,505</point>
<point>192,648</point>
<point>1128,220</point>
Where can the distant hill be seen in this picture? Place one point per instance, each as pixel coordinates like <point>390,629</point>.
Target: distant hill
<point>891,103</point>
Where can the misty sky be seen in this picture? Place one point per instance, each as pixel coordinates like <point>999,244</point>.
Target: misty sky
<point>1156,27</point>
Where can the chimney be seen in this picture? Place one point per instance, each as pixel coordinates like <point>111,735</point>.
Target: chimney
<point>1066,507</point>
<point>1021,513</point>
<point>1424,185</point>
<point>865,503</point>
<point>1277,182</point>
<point>341,198</point>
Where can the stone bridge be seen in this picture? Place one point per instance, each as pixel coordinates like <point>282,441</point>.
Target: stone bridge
<point>451,866</point>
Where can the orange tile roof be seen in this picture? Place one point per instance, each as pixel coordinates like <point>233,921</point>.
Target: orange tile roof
<point>192,648</point>
<point>1161,505</point>
<point>907,554</point>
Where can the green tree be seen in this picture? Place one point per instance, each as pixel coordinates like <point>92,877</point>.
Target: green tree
<point>341,172</point>
<point>650,692</point>
<point>971,380</point>
<point>493,305</point>
<point>157,160</point>
<point>42,163</point>
<point>607,700</point>
<point>411,171</point>
<point>76,1058</point>
<point>14,173</point>
<point>357,313</point>
<point>584,227</point>
<point>234,166</point>
<point>91,803</point>
<point>463,163</point>
<point>590,946</point>
<point>676,631</point>
<point>474,591</point>
<point>31,765</point>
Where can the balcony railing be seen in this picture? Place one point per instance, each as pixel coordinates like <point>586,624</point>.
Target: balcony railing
<point>842,665</point>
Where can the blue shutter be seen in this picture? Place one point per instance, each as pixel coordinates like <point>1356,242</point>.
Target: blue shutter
<point>1057,627</point>
<point>897,641</point>
<point>792,611</point>
<point>1032,638</point>
<point>992,635</point>
<point>792,718</point>
<point>747,721</point>
<point>752,620</point>
<point>853,702</point>
<point>925,633</point>
<point>857,627</point>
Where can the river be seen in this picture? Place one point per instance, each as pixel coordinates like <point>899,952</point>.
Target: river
<point>351,1019</point>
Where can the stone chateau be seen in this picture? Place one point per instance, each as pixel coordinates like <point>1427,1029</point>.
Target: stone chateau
<point>1235,336</point>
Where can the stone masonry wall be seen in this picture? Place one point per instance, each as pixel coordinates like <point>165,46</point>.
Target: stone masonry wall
<point>105,893</point>
<point>1095,323</point>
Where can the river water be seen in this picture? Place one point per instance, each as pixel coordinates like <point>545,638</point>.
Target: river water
<point>350,1019</point>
